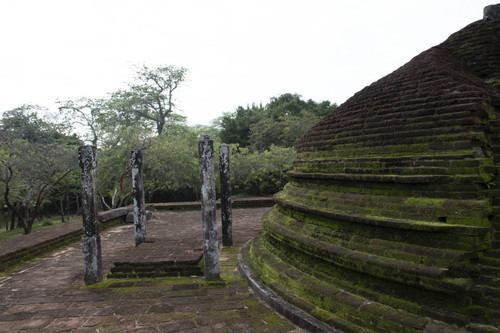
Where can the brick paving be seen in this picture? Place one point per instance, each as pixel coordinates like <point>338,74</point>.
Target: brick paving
<point>48,294</point>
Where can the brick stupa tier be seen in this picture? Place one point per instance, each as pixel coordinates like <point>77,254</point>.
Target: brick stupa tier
<point>389,221</point>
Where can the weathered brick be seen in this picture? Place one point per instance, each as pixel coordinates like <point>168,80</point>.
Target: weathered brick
<point>393,196</point>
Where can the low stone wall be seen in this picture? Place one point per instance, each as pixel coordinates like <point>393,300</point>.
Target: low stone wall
<point>17,251</point>
<point>236,203</point>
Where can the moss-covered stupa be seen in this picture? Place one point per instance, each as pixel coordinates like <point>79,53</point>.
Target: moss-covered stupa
<point>389,221</point>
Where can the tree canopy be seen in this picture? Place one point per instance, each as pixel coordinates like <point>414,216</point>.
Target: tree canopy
<point>34,158</point>
<point>151,96</point>
<point>235,126</point>
<point>86,112</point>
<point>281,122</point>
<point>37,156</point>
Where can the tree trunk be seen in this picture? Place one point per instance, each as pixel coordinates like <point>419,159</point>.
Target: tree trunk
<point>77,204</point>
<point>159,127</point>
<point>28,224</point>
<point>61,210</point>
<point>13,221</point>
<point>22,219</point>
<point>68,205</point>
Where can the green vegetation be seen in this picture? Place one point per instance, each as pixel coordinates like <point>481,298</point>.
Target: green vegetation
<point>38,225</point>
<point>280,123</point>
<point>39,173</point>
<point>35,159</point>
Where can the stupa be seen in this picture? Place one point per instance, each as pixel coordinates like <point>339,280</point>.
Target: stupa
<point>389,222</point>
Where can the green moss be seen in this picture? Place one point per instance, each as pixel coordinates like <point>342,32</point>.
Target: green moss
<point>250,302</point>
<point>103,284</point>
<point>424,202</point>
<point>271,318</point>
<point>329,300</point>
<point>183,315</point>
<point>230,250</point>
<point>329,267</point>
<point>401,224</point>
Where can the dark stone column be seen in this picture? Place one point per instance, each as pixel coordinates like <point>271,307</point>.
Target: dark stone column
<point>91,241</point>
<point>225,197</point>
<point>138,188</point>
<point>207,177</point>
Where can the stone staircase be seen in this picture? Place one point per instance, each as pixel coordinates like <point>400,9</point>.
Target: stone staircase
<point>490,277</point>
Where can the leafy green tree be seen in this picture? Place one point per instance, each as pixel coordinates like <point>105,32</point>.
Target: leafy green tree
<point>293,127</point>
<point>213,131</point>
<point>113,177</point>
<point>151,97</point>
<point>260,173</point>
<point>292,105</point>
<point>285,131</point>
<point>65,196</point>
<point>281,122</point>
<point>285,120</point>
<point>114,182</point>
<point>23,123</point>
<point>88,114</point>
<point>171,167</point>
<point>34,159</point>
<point>235,126</point>
<point>285,105</point>
<point>265,133</point>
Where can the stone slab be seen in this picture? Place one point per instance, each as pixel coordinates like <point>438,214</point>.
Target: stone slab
<point>55,280</point>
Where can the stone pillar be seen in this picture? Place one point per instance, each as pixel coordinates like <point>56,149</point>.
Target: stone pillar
<point>225,197</point>
<point>138,189</point>
<point>91,240</point>
<point>207,177</point>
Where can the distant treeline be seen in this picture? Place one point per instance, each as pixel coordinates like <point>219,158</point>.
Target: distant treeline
<point>39,163</point>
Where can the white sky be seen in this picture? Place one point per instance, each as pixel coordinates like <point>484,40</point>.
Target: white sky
<point>238,52</point>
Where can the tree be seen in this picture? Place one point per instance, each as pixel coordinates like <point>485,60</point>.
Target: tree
<point>65,196</point>
<point>281,122</point>
<point>285,120</point>
<point>259,173</point>
<point>34,158</point>
<point>292,105</point>
<point>293,127</point>
<point>235,126</point>
<point>151,97</point>
<point>285,105</point>
<point>285,131</point>
<point>87,113</point>
<point>23,123</point>
<point>171,168</point>
<point>113,175</point>
<point>265,133</point>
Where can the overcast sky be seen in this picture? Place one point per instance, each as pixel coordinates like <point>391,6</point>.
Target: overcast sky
<point>237,52</point>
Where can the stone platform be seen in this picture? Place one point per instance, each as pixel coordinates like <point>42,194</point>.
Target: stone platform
<point>48,294</point>
<point>170,250</point>
<point>158,258</point>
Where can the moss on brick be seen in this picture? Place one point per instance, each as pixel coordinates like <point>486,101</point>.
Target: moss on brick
<point>394,198</point>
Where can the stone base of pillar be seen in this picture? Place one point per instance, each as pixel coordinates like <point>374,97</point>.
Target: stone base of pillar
<point>92,262</point>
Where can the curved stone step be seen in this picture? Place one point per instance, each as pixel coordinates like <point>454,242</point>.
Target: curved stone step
<point>334,305</point>
<point>432,278</point>
<point>386,222</point>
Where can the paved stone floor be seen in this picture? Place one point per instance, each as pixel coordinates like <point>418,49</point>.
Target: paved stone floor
<point>48,294</point>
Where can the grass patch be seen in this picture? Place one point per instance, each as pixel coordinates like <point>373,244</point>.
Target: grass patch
<point>38,225</point>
